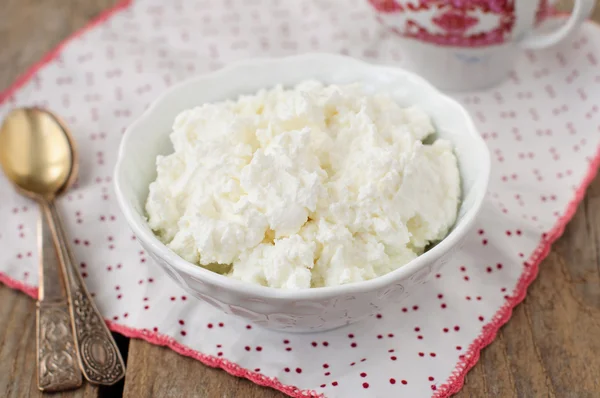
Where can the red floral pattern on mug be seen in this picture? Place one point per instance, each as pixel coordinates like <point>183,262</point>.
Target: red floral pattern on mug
<point>460,23</point>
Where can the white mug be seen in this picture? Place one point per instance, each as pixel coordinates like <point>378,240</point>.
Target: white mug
<point>461,45</point>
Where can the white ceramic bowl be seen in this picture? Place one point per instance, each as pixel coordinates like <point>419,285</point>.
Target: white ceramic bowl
<point>311,309</point>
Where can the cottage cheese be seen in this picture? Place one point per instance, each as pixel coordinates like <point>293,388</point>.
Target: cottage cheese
<point>315,186</point>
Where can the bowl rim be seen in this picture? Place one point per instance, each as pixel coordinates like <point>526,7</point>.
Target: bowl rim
<point>392,277</point>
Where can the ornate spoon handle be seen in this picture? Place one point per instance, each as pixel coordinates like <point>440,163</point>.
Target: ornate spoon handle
<point>58,369</point>
<point>99,356</point>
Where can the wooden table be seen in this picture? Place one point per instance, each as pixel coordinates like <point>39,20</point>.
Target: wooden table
<point>550,348</point>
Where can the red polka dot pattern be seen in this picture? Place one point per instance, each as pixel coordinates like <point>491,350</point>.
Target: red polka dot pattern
<point>541,126</point>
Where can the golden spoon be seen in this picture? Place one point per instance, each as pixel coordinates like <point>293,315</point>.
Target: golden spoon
<point>57,356</point>
<point>39,157</point>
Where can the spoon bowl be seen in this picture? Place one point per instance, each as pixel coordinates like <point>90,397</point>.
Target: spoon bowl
<point>37,153</point>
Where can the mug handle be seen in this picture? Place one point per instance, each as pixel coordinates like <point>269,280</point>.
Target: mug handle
<point>581,10</point>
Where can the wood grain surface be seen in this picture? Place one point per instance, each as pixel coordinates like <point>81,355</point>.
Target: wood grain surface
<point>550,347</point>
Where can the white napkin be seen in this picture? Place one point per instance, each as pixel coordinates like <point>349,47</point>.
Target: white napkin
<point>541,125</point>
